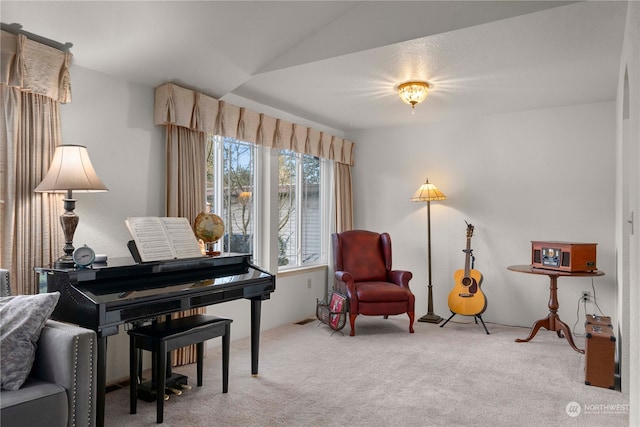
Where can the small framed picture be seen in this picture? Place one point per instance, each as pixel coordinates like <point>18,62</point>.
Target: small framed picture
<point>336,305</point>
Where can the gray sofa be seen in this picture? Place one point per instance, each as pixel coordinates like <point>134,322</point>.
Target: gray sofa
<point>61,388</point>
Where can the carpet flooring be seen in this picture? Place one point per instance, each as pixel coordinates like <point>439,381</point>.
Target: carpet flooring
<point>384,376</point>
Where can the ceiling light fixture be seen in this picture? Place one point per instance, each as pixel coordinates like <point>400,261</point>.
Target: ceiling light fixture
<point>413,93</point>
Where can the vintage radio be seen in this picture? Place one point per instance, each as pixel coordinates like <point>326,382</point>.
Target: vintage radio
<point>564,256</point>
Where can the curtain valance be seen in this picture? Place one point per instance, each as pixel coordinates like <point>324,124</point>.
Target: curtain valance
<point>34,67</point>
<point>178,106</point>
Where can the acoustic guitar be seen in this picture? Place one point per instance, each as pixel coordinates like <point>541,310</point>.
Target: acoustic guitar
<point>466,297</point>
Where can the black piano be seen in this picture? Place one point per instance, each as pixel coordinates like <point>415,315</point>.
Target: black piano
<point>104,297</point>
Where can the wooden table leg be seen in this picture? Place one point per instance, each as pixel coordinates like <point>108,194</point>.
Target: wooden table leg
<point>561,326</point>
<point>542,323</point>
<point>552,322</point>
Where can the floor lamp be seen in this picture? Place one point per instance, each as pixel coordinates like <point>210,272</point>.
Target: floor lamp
<point>426,193</point>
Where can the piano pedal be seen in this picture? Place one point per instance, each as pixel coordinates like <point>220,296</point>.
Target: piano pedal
<point>166,397</point>
<point>185,387</point>
<point>174,391</point>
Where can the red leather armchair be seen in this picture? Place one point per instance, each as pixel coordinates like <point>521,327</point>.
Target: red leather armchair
<point>364,274</point>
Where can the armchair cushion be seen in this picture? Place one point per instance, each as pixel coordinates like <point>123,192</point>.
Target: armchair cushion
<point>381,292</point>
<point>22,318</point>
<point>28,405</point>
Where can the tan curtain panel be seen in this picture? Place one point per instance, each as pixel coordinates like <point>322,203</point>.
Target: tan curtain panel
<point>284,133</point>
<point>343,197</point>
<point>186,172</point>
<point>178,106</point>
<point>185,195</point>
<point>34,80</point>
<point>312,144</point>
<point>34,67</point>
<point>299,138</point>
<point>248,126</point>
<point>267,131</point>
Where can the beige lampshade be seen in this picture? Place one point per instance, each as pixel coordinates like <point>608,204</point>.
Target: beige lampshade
<point>71,169</point>
<point>427,193</point>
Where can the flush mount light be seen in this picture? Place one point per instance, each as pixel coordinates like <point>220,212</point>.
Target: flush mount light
<point>413,93</point>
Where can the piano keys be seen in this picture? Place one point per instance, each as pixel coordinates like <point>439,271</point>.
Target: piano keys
<point>106,296</point>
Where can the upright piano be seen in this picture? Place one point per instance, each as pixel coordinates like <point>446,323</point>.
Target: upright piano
<point>105,296</point>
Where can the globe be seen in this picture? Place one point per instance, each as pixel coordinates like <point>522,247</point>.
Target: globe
<point>209,228</point>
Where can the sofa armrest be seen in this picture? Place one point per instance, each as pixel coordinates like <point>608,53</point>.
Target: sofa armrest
<point>66,355</point>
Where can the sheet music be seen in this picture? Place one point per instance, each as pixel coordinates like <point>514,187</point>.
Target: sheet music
<point>163,238</point>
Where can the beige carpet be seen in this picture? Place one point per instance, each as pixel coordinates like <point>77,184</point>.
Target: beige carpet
<point>384,376</point>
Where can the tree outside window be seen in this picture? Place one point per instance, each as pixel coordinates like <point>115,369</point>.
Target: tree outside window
<point>302,210</point>
<point>230,190</point>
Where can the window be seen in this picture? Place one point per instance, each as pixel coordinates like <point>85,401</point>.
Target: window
<point>231,174</point>
<point>302,209</point>
<point>301,198</point>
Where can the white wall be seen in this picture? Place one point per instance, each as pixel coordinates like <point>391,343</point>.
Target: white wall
<point>533,175</point>
<point>114,119</point>
<point>628,205</point>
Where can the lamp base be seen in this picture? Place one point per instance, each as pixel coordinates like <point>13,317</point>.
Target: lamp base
<point>69,222</point>
<point>64,262</point>
<point>430,318</point>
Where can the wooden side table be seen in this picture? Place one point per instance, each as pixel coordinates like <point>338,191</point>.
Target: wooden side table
<point>552,322</point>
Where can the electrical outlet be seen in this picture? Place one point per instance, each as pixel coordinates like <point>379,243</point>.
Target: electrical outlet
<point>586,296</point>
<point>308,283</point>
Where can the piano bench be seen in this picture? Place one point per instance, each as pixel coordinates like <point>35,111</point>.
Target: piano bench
<point>163,337</point>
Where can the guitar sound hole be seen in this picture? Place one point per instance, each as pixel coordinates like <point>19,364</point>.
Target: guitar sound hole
<point>466,281</point>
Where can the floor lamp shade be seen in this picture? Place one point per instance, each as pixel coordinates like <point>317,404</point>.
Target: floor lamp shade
<point>70,170</point>
<point>427,193</point>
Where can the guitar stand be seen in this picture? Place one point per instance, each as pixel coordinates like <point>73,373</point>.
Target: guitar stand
<point>476,317</point>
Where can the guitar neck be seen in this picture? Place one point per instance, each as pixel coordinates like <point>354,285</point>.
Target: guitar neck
<point>467,267</point>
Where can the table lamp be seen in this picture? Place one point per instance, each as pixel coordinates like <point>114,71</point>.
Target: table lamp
<point>70,171</point>
<point>426,193</point>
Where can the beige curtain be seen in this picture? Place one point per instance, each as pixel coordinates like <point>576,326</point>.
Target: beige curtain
<point>34,79</point>
<point>181,107</point>
<point>175,105</point>
<point>343,197</point>
<point>185,196</point>
<point>186,172</point>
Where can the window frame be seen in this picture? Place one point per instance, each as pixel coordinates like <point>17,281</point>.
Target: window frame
<point>265,207</point>
<point>324,209</point>
<point>218,142</point>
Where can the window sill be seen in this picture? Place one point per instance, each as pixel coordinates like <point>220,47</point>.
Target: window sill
<point>301,270</point>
